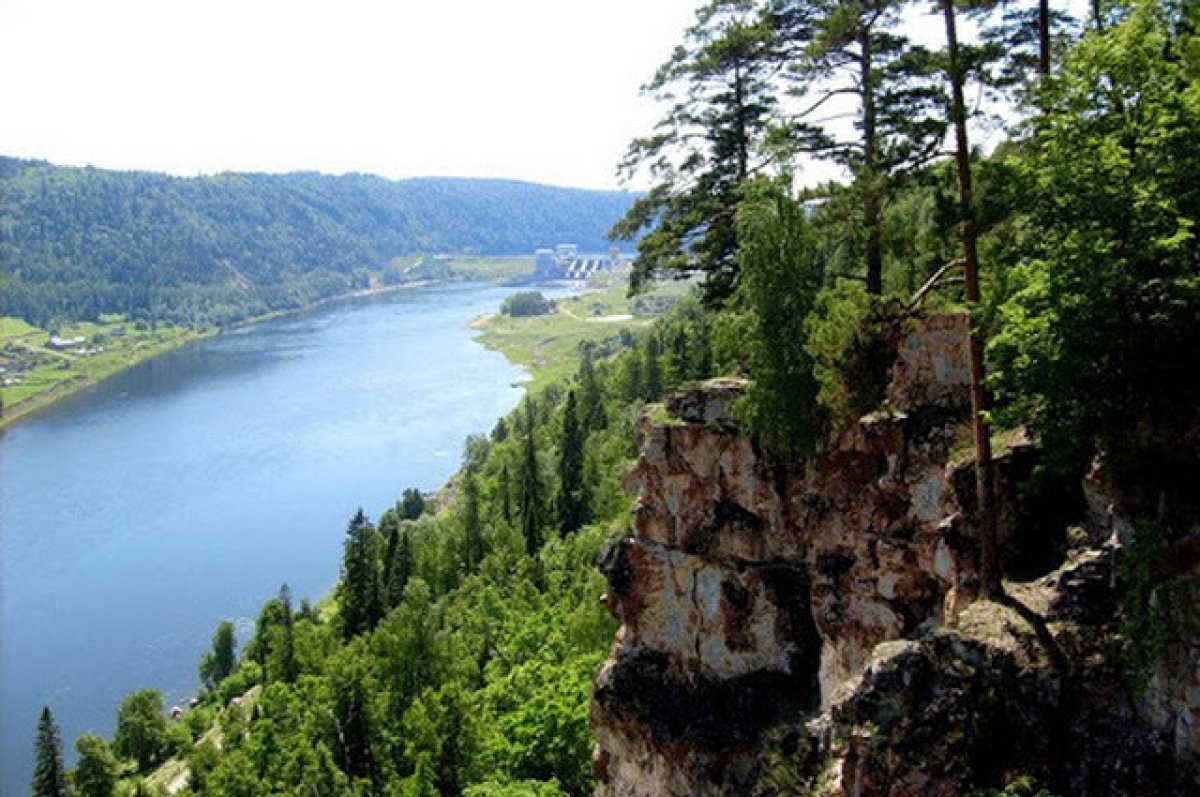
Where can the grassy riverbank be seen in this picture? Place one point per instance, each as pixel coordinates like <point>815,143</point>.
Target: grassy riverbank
<point>548,345</point>
<point>36,373</point>
<point>39,367</point>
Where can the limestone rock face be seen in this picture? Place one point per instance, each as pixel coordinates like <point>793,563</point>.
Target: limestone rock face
<point>790,617</point>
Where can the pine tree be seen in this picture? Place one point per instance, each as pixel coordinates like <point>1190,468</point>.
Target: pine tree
<point>635,381</point>
<point>717,87</point>
<point>572,502</point>
<point>851,48</point>
<point>531,488</point>
<point>49,778</point>
<point>412,504</point>
<point>989,556</point>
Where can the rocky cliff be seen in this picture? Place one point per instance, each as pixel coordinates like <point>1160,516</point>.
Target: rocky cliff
<point>809,626</point>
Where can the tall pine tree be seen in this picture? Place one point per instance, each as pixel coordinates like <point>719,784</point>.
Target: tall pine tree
<point>719,98</point>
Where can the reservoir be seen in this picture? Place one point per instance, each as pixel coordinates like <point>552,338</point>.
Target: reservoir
<point>136,515</point>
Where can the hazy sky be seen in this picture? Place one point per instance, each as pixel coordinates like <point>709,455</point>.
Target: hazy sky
<point>542,90</point>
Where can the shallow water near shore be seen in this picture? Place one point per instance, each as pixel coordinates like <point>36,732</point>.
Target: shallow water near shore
<point>138,514</point>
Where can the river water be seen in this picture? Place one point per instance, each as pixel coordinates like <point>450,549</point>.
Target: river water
<point>137,515</point>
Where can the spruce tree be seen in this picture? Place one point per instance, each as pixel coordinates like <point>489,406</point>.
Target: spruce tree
<point>217,664</point>
<point>281,665</point>
<point>471,522</point>
<point>506,498</point>
<point>572,503</point>
<point>49,778</point>
<point>400,566</point>
<point>654,383</point>
<point>591,401</point>
<point>531,487</point>
<point>361,593</point>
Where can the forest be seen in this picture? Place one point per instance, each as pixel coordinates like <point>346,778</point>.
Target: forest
<point>76,243</point>
<point>455,657</point>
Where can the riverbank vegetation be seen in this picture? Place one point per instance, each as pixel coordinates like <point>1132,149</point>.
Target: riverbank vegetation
<point>40,366</point>
<point>548,344</point>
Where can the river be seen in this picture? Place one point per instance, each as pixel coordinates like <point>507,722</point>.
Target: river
<point>136,515</point>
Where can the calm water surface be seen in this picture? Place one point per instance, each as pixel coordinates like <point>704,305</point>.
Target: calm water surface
<point>136,516</point>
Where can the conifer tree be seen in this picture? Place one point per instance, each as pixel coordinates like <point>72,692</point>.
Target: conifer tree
<point>572,502</point>
<point>591,402</point>
<point>852,48</point>
<point>989,554</point>
<point>282,662</point>
<point>471,522</point>
<point>654,383</point>
<point>400,566</point>
<point>506,493</point>
<point>412,504</point>
<point>217,664</point>
<point>361,594</point>
<point>717,87</point>
<point>49,777</point>
<point>531,487</point>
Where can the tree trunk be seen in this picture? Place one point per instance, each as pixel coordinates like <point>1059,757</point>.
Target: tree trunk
<point>989,564</point>
<point>872,202</point>
<point>1043,39</point>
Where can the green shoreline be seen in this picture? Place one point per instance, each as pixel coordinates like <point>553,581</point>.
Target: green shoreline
<point>28,407</point>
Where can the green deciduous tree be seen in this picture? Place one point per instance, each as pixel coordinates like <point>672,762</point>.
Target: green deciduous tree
<point>141,734</point>
<point>97,771</point>
<point>1098,347</point>
<point>49,777</point>
<point>782,272</point>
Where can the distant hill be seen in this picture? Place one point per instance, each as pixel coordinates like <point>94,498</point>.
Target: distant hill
<point>76,242</point>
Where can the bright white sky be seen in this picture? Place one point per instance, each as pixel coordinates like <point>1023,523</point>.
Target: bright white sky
<point>542,90</point>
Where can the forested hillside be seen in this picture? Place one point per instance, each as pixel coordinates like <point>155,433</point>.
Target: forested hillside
<point>75,243</point>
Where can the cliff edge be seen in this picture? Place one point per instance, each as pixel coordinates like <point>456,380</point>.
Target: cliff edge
<point>809,627</point>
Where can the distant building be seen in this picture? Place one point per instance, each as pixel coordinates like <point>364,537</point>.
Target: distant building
<point>56,342</point>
